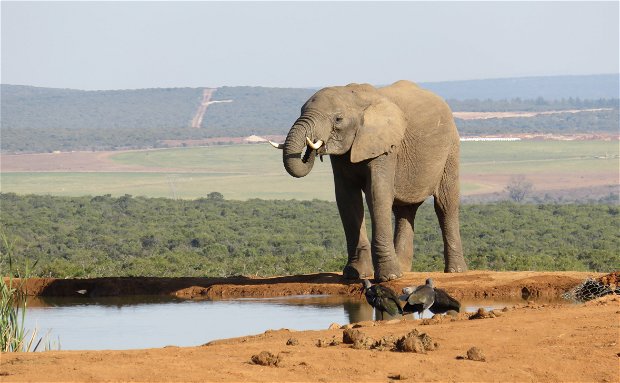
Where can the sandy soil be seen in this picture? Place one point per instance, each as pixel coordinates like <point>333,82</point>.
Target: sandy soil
<point>488,115</point>
<point>533,341</point>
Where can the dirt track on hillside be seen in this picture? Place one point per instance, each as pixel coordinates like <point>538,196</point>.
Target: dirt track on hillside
<point>531,341</point>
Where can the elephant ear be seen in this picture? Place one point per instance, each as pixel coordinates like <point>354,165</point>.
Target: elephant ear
<point>381,132</point>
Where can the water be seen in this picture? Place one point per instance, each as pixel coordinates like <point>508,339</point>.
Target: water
<point>147,322</point>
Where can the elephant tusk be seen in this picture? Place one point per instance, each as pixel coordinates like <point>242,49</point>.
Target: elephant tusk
<point>277,146</point>
<point>314,145</point>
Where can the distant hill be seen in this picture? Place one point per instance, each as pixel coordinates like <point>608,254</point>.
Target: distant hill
<point>550,88</point>
<point>35,119</point>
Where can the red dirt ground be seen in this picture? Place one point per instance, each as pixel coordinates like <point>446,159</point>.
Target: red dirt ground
<point>532,341</point>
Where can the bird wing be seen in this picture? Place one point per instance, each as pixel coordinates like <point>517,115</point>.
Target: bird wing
<point>422,294</point>
<point>390,301</point>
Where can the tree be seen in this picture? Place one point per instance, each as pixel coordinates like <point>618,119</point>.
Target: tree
<point>518,187</point>
<point>215,196</point>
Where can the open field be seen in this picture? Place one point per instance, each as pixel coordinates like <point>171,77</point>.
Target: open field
<point>255,171</point>
<point>535,340</point>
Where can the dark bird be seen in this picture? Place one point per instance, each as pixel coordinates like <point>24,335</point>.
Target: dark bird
<point>444,302</point>
<point>382,299</point>
<point>418,298</point>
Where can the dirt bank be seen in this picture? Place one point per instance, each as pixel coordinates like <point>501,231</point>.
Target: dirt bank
<point>533,341</point>
<point>474,284</point>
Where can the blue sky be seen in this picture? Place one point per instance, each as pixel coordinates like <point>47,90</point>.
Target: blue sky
<point>128,45</point>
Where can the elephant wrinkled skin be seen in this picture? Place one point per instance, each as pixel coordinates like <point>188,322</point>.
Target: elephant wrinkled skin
<point>398,145</point>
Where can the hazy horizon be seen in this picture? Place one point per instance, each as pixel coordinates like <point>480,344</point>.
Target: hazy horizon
<point>140,45</point>
<point>311,87</point>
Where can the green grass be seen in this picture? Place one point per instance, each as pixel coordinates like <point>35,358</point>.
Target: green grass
<point>255,171</point>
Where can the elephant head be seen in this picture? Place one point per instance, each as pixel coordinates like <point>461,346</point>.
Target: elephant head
<point>336,120</point>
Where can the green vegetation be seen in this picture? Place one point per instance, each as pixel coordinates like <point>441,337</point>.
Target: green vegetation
<point>603,121</point>
<point>13,303</point>
<point>136,236</point>
<point>241,172</point>
<point>45,119</point>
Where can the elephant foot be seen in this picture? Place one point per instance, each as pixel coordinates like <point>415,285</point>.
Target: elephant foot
<point>455,267</point>
<point>387,272</point>
<point>351,272</point>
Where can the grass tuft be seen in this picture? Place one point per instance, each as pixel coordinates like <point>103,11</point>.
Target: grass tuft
<point>14,337</point>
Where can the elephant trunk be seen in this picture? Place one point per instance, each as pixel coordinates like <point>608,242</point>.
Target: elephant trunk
<point>294,146</point>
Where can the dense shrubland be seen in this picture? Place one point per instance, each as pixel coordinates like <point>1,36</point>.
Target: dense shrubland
<point>135,236</point>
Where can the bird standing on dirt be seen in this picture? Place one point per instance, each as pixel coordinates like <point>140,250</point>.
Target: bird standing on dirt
<point>382,299</point>
<point>419,298</point>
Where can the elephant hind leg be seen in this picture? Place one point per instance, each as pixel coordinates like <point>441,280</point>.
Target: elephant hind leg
<point>404,233</point>
<point>447,199</point>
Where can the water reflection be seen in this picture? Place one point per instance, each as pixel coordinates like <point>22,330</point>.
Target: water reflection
<point>156,321</point>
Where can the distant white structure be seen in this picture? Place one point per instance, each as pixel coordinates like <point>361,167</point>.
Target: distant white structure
<point>254,139</point>
<point>490,139</point>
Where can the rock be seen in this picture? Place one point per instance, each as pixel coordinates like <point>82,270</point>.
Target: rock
<point>292,342</point>
<point>497,313</point>
<point>398,377</point>
<point>476,354</point>
<point>359,345</point>
<point>452,313</point>
<point>265,358</point>
<point>327,342</point>
<point>481,314</point>
<point>428,343</point>
<point>334,326</point>
<point>349,336</point>
<point>413,342</point>
<point>365,324</point>
<point>386,343</point>
<point>410,344</point>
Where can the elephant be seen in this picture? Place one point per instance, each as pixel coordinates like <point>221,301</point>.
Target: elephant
<point>398,145</point>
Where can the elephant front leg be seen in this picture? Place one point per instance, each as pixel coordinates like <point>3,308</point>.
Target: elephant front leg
<point>351,209</point>
<point>380,198</point>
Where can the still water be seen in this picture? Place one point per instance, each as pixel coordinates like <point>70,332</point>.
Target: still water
<point>146,322</point>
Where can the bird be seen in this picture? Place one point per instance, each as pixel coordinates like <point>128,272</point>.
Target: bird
<point>444,302</point>
<point>382,298</point>
<point>418,298</point>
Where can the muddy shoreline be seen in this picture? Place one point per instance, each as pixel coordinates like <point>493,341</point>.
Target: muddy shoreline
<point>473,284</point>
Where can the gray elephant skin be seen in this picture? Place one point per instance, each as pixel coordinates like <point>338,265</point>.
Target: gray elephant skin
<point>398,145</point>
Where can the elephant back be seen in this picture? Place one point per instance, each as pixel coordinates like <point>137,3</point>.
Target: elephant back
<point>430,139</point>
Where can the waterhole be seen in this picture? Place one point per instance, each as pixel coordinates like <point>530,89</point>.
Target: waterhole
<point>118,323</point>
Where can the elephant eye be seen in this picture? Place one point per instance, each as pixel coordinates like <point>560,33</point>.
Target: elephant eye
<point>338,120</point>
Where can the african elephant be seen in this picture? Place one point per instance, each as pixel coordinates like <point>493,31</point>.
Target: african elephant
<point>398,145</point>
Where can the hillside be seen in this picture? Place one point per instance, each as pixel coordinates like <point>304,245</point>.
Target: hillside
<point>45,119</point>
<point>549,87</point>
